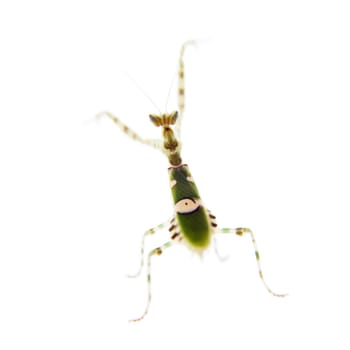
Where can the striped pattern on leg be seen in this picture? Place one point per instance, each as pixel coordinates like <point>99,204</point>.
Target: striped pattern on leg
<point>142,252</point>
<point>240,232</point>
<point>181,85</point>
<point>132,134</point>
<point>156,251</point>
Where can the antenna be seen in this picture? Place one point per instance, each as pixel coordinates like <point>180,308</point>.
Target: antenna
<point>142,90</point>
<point>169,92</point>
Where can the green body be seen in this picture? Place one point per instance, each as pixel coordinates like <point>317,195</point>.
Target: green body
<point>192,218</point>
<point>192,223</point>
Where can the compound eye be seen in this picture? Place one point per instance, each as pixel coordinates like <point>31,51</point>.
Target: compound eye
<point>186,206</point>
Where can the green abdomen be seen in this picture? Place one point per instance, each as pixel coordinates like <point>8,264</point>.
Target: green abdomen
<point>192,218</point>
<point>195,228</point>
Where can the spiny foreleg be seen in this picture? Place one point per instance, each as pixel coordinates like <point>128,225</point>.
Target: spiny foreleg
<point>129,132</point>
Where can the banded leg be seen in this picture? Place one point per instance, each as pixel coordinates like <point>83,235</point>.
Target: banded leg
<point>181,85</point>
<point>240,232</point>
<point>156,251</point>
<point>132,134</point>
<point>142,253</point>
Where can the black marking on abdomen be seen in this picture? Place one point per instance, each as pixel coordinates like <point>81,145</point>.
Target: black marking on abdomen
<point>175,235</point>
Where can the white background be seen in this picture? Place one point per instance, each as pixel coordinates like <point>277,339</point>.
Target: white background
<point>266,135</point>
